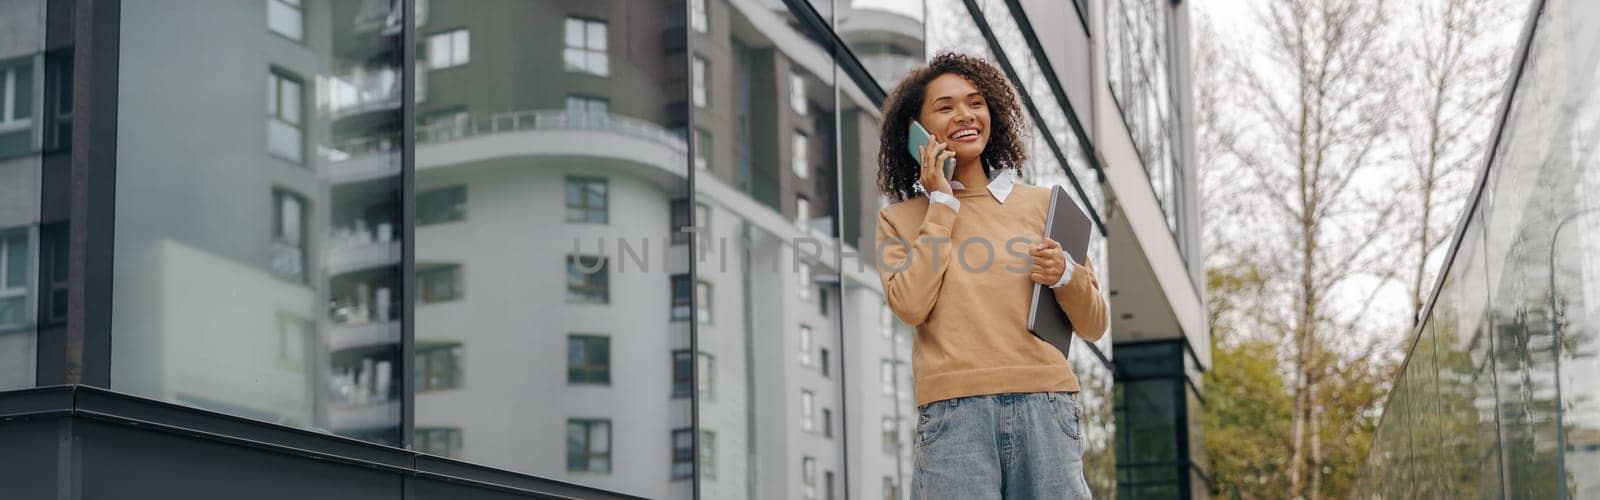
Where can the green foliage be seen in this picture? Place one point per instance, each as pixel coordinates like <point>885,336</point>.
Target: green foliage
<point>1247,420</point>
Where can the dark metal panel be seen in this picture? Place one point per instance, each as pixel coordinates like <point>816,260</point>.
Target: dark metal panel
<point>133,410</point>
<point>437,470</point>
<point>30,458</point>
<point>408,211</point>
<point>119,461</point>
<point>36,402</point>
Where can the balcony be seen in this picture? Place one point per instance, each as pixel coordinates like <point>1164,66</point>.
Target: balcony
<point>346,336</point>
<point>515,133</point>
<point>361,91</point>
<point>357,256</point>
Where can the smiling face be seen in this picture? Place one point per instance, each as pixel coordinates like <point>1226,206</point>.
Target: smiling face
<point>955,112</point>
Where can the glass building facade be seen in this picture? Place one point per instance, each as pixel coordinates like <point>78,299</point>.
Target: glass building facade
<point>1497,396</point>
<point>621,246</point>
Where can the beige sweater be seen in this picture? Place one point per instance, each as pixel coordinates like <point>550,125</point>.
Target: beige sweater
<point>972,322</point>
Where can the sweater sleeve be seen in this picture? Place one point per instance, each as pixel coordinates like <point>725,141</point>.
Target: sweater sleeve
<point>912,267</point>
<point>1083,303</point>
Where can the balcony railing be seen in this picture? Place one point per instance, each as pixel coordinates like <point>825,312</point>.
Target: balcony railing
<point>518,121</point>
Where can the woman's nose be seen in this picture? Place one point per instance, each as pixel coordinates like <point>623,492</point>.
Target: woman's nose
<point>963,115</point>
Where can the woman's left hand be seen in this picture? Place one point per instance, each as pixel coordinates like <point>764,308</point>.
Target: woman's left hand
<point>1049,264</point>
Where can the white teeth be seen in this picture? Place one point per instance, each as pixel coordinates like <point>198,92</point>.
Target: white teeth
<point>965,133</point>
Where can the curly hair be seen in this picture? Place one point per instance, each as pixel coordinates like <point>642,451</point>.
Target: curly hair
<point>898,171</point>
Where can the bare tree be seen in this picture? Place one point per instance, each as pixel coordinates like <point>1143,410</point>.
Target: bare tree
<point>1320,105</point>
<point>1460,54</point>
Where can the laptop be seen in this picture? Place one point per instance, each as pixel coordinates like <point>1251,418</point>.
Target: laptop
<point>1069,225</point>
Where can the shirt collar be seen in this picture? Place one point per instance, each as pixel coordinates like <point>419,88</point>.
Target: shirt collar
<point>999,186</point>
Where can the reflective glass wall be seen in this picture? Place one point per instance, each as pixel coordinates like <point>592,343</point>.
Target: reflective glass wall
<point>552,293</point>
<point>258,226</point>
<point>622,244</point>
<point>1140,61</point>
<point>34,89</point>
<point>1498,396</point>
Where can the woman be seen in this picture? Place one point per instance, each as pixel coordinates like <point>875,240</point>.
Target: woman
<point>997,406</point>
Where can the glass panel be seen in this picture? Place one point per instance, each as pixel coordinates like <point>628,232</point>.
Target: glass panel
<point>885,35</point>
<point>580,161</point>
<point>1513,325</point>
<point>1139,51</point>
<point>1045,168</point>
<point>196,214</point>
<point>770,188</point>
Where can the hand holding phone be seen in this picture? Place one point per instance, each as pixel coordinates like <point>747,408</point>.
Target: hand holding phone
<point>929,153</point>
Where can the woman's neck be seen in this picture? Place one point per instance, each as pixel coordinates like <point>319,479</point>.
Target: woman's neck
<point>971,174</point>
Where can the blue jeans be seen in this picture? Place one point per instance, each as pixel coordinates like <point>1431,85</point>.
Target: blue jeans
<point>1000,446</point>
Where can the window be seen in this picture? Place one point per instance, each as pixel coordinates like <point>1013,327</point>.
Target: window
<point>438,283</point>
<point>53,257</point>
<point>438,206</point>
<point>706,375</point>
<point>824,358</point>
<point>680,221</point>
<point>808,475</point>
<point>289,235</point>
<point>285,132</point>
<point>681,298</point>
<point>827,423</point>
<point>699,18</point>
<point>891,488</point>
<point>803,288</point>
<point>438,366</point>
<point>797,93</point>
<point>16,94</point>
<point>14,279</point>
<point>589,445</point>
<point>682,453</point>
<point>702,148</point>
<point>886,375</point>
<point>586,200</point>
<point>284,17</point>
<point>798,161</point>
<point>699,81</point>
<point>891,436</point>
<point>587,282</point>
<point>448,49</point>
<point>808,412</point>
<point>802,212</point>
<point>586,47</point>
<point>806,345</point>
<point>702,302</point>
<point>702,218</point>
<point>587,112</point>
<point>708,454</point>
<point>827,484</point>
<point>682,373</point>
<point>588,359</point>
<point>822,301</point>
<point>439,441</point>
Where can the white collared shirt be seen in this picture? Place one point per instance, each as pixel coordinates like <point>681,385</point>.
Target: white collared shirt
<point>999,187</point>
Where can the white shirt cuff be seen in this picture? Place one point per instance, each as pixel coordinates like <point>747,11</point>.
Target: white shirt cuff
<point>1066,275</point>
<point>947,199</point>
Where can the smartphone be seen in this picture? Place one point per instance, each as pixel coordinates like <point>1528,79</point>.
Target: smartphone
<point>919,137</point>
